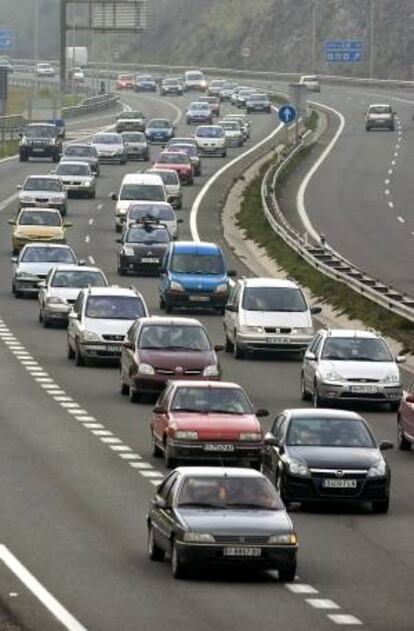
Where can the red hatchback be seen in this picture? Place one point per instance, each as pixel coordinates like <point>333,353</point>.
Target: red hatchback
<point>178,161</point>
<point>406,419</point>
<point>125,82</point>
<point>195,421</point>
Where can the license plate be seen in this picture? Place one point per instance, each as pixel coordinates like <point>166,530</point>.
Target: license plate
<point>364,389</point>
<point>149,260</point>
<point>113,348</point>
<point>37,149</point>
<point>242,552</point>
<point>278,340</point>
<point>199,298</point>
<point>339,484</point>
<point>218,447</point>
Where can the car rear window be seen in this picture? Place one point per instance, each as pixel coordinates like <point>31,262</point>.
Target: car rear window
<point>174,337</point>
<point>114,307</point>
<point>78,278</point>
<point>203,264</point>
<point>150,192</point>
<point>210,399</point>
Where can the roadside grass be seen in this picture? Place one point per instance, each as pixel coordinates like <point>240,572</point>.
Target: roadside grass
<point>9,148</point>
<point>252,220</point>
<point>17,99</point>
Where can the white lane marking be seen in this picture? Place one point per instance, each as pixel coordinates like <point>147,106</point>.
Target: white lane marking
<point>87,238</point>
<point>397,146</point>
<point>68,405</point>
<point>401,219</point>
<point>386,182</point>
<point>102,432</point>
<point>342,618</point>
<point>39,591</point>
<point>390,171</point>
<point>91,220</point>
<point>395,154</point>
<point>300,198</point>
<point>393,163</point>
<point>130,456</point>
<point>120,448</point>
<point>155,482</point>
<point>93,425</point>
<point>8,200</point>
<point>387,192</point>
<point>391,204</point>
<point>301,588</point>
<point>91,260</point>
<point>61,397</point>
<point>152,474</point>
<point>110,440</point>
<point>322,603</point>
<point>99,206</point>
<point>141,465</point>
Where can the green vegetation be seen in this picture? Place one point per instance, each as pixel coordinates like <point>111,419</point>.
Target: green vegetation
<point>9,148</point>
<point>17,100</point>
<point>253,221</point>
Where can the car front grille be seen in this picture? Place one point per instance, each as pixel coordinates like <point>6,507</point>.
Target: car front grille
<point>277,330</point>
<point>113,338</point>
<point>241,539</point>
<point>164,371</point>
<point>363,380</point>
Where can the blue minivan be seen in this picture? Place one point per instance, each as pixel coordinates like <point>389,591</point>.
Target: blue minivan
<point>194,275</point>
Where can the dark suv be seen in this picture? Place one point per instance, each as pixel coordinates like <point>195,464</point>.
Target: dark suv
<point>40,140</point>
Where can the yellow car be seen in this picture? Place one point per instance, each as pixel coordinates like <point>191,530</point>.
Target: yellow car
<point>37,224</point>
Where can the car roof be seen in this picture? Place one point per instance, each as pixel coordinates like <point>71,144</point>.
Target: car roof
<point>112,290</point>
<point>196,247</point>
<point>41,124</point>
<point>325,413</point>
<point>349,333</point>
<point>222,472</point>
<point>48,245</point>
<point>173,321</point>
<point>76,268</point>
<point>269,282</point>
<point>142,203</point>
<point>43,176</point>
<point>223,385</point>
<point>379,105</point>
<point>76,162</point>
<point>40,210</point>
<point>141,178</point>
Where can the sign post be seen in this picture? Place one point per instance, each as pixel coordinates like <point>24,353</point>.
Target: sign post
<point>287,114</point>
<point>3,88</point>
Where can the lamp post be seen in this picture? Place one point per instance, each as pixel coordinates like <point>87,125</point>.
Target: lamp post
<point>371,38</point>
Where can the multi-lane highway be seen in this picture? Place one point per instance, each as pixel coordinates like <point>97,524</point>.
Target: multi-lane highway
<point>76,471</point>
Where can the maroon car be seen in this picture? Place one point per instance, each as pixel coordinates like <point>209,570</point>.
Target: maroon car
<point>406,419</point>
<point>158,349</point>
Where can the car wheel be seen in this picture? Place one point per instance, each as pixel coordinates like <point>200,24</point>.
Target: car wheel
<point>118,228</point>
<point>224,154</point>
<point>238,352</point>
<point>287,574</point>
<point>134,395</point>
<point>170,462</point>
<point>381,506</point>
<point>23,157</point>
<point>162,303</point>
<point>40,316</point>
<point>55,157</point>
<point>154,552</point>
<point>121,270</point>
<point>228,345</point>
<point>124,386</point>
<point>79,359</point>
<point>46,322</point>
<point>304,393</point>
<point>168,307</point>
<point>394,406</point>
<point>403,443</point>
<point>70,353</point>
<point>92,195</point>
<point>18,293</point>
<point>179,569</point>
<point>156,451</point>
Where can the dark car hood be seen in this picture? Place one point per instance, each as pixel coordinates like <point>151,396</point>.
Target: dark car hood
<point>235,521</point>
<point>170,360</point>
<point>335,457</point>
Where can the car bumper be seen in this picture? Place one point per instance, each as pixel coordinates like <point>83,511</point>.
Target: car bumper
<point>138,266</point>
<point>380,125</point>
<point>357,392</point>
<point>273,343</point>
<point>59,205</point>
<point>78,189</point>
<point>58,312</point>
<point>116,157</point>
<point>156,383</point>
<point>101,350</point>
<point>211,151</point>
<point>197,300</point>
<point>137,154</point>
<point>158,140</point>
<point>234,141</point>
<point>234,452</point>
<point>28,286</point>
<point>271,556</point>
<point>18,244</point>
<point>296,488</point>
<point>175,199</point>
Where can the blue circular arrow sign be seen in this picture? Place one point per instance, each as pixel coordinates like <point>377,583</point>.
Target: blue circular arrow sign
<point>287,114</point>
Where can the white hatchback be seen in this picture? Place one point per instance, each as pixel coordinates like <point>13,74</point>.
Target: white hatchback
<point>211,140</point>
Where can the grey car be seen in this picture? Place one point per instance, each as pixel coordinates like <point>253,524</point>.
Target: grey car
<point>77,178</point>
<point>84,153</point>
<point>258,103</point>
<point>131,121</point>
<point>380,116</point>
<point>43,191</point>
<point>136,145</point>
<point>35,262</point>
<point>110,147</point>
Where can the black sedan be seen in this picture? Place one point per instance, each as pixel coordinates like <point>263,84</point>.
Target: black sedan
<point>215,515</point>
<point>315,455</point>
<point>144,244</point>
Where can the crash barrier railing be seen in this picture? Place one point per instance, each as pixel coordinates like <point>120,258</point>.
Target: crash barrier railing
<point>321,256</point>
<point>10,127</point>
<point>91,104</point>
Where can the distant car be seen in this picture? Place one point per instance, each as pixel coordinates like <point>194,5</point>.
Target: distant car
<point>143,246</point>
<point>35,262</point>
<point>99,321</point>
<point>233,132</point>
<point>311,82</point>
<point>37,225</point>
<point>405,420</point>
<point>178,161</point>
<point>171,86</point>
<point>380,117</point>
<point>350,365</point>
<point>76,75</point>
<point>195,422</point>
<point>258,103</point>
<point>235,93</point>
<point>215,86</point>
<point>44,191</point>
<point>145,83</point>
<point>83,153</point>
<point>198,112</point>
<point>214,103</point>
<point>137,187</point>
<point>329,456</point>
<point>159,130</point>
<point>60,126</point>
<point>125,82</point>
<point>244,122</point>
<point>172,185</point>
<point>44,69</point>
<point>159,349</point>
<point>203,516</point>
<point>159,211</point>
<point>130,121</point>
<point>61,288</point>
<point>110,147</point>
<point>194,80</point>
<point>189,146</point>
<point>77,178</point>
<point>136,145</point>
<point>211,140</point>
<point>227,90</point>
<point>40,140</point>
<point>243,95</point>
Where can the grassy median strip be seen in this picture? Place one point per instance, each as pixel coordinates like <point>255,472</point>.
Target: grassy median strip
<point>252,220</point>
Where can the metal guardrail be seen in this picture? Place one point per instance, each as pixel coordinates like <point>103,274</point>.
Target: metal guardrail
<point>10,126</point>
<point>324,258</point>
<point>91,104</point>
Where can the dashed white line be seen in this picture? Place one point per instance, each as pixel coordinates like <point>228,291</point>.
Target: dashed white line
<point>87,239</point>
<point>322,603</point>
<point>390,171</point>
<point>301,588</point>
<point>91,220</point>
<point>391,204</point>
<point>386,182</point>
<point>346,619</point>
<point>401,219</point>
<point>99,206</point>
<point>91,260</point>
<point>393,163</point>
<point>387,191</point>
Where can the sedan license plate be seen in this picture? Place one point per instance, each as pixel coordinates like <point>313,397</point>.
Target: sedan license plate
<point>364,389</point>
<point>199,298</point>
<point>332,483</point>
<point>242,552</point>
<point>218,447</point>
<point>113,348</point>
<point>149,260</point>
<point>278,340</point>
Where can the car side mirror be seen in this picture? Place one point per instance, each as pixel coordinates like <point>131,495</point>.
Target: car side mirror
<point>12,222</point>
<point>315,310</point>
<point>42,284</point>
<point>19,187</point>
<point>270,439</point>
<point>409,398</point>
<point>160,502</point>
<point>81,262</point>
<point>14,259</point>
<point>127,344</point>
<point>231,273</point>
<point>400,359</point>
<point>310,356</point>
<point>385,445</point>
<point>113,196</point>
<point>230,307</point>
<point>218,347</point>
<point>261,413</point>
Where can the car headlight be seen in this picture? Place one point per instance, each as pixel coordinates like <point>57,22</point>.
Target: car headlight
<point>222,288</point>
<point>247,328</point>
<point>198,537</point>
<point>146,369</point>
<point>253,436</point>
<point>55,300</point>
<point>176,286</point>
<point>184,435</point>
<point>290,539</point>
<point>377,470</point>
<point>89,336</point>
<point>391,378</point>
<point>126,251</point>
<point>27,276</point>
<point>331,375</point>
<point>121,211</point>
<point>88,182</point>
<point>211,371</point>
<point>296,467</point>
<point>26,198</point>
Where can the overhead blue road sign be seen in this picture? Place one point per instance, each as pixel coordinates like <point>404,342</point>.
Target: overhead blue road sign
<point>344,51</point>
<point>6,39</point>
<point>287,114</point>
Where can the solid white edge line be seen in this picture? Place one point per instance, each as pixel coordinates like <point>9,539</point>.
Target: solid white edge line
<point>300,198</point>
<point>40,592</point>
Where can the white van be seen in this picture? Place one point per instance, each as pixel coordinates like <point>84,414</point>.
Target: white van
<point>311,81</point>
<point>195,80</point>
<point>137,187</point>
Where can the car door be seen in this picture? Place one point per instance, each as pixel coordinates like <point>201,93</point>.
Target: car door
<point>164,273</point>
<point>231,315</point>
<point>161,414</point>
<point>407,411</point>
<point>310,365</point>
<point>271,452</point>
<point>162,516</point>
<point>128,351</point>
<point>74,321</point>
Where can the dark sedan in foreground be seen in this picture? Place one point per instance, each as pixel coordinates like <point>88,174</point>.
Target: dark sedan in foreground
<point>315,455</point>
<point>215,515</point>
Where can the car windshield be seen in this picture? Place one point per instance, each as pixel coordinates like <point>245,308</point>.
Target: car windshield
<point>200,106</point>
<point>42,184</point>
<point>168,177</point>
<point>147,235</point>
<point>150,192</point>
<point>47,255</point>
<point>114,308</point>
<point>210,132</point>
<point>171,82</point>
<point>160,124</point>
<point>77,278</point>
<point>380,109</point>
<point>73,169</point>
<point>229,492</point>
<point>258,97</point>
<point>135,136</point>
<point>273,299</point>
<point>73,150</point>
<point>163,213</point>
<point>329,432</point>
<point>36,218</point>
<point>356,349</point>
<point>190,263</point>
<point>40,131</point>
<point>174,337</point>
<point>107,139</point>
<point>195,76</point>
<point>211,399</point>
<point>173,158</point>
